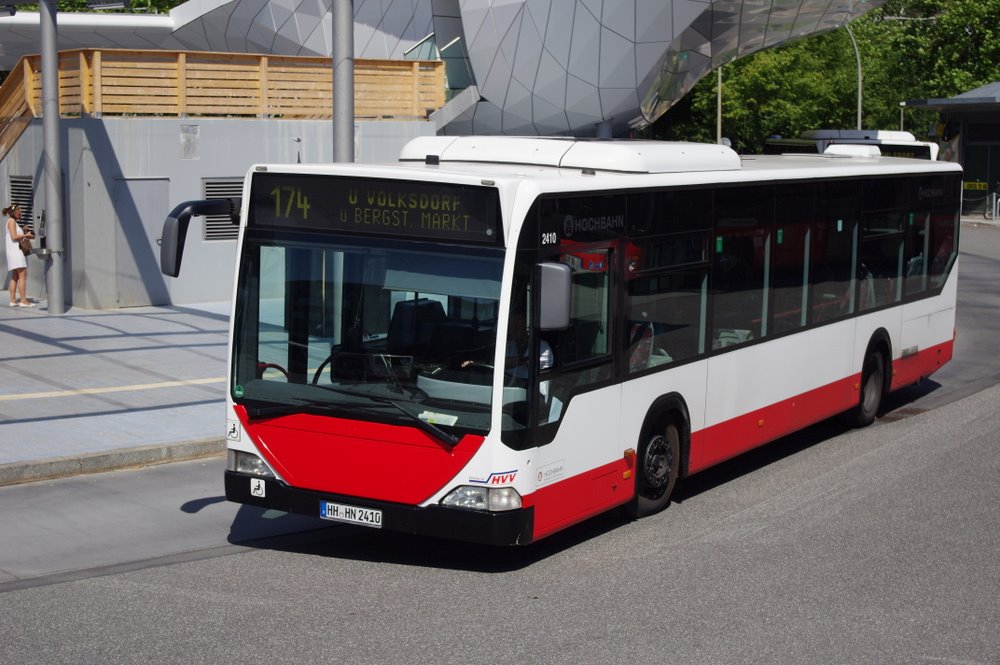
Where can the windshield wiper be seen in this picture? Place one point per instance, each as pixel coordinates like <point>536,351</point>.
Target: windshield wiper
<point>430,428</point>
<point>391,372</point>
<point>301,405</point>
<point>285,408</point>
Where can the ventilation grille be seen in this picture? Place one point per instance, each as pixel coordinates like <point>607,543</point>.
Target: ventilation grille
<point>219,227</point>
<point>22,193</point>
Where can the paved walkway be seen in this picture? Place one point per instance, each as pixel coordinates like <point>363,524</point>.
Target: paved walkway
<point>91,391</point>
<point>96,390</point>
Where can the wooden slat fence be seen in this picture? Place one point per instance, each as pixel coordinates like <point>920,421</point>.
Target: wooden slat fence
<point>15,105</point>
<point>119,82</point>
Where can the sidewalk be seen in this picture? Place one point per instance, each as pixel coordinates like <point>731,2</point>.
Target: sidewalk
<point>90,391</point>
<point>980,237</point>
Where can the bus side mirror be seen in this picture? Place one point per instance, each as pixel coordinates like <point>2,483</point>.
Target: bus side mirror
<point>555,285</point>
<point>175,228</point>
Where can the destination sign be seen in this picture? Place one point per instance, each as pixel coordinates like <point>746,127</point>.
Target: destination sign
<point>402,208</point>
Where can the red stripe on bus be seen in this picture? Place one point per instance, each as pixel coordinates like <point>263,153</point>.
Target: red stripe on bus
<point>728,439</point>
<point>921,365</point>
<point>357,458</point>
<point>575,499</point>
<point>584,495</point>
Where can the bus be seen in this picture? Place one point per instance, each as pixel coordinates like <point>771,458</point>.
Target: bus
<point>890,143</point>
<point>496,338</point>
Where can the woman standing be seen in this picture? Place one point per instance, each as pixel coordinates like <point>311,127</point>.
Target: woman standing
<point>17,262</point>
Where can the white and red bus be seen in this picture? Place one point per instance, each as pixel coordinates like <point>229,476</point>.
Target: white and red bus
<point>499,337</point>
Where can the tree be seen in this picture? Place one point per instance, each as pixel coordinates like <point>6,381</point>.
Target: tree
<point>910,49</point>
<point>150,6</point>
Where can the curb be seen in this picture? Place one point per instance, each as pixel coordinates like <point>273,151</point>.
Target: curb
<point>17,473</point>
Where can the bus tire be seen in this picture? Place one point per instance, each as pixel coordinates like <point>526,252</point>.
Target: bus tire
<point>658,464</point>
<point>872,389</point>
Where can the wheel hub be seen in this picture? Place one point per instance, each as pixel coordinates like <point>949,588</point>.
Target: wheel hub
<point>657,463</point>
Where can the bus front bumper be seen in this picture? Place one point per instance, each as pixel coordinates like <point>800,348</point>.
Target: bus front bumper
<point>512,527</point>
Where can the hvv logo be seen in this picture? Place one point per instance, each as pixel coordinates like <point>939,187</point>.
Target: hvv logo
<point>496,478</point>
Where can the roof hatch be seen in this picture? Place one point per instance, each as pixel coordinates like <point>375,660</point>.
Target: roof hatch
<point>594,155</point>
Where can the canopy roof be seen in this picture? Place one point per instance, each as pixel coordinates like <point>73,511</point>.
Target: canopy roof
<point>534,66</point>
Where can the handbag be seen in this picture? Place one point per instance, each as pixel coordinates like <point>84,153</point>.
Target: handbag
<point>25,245</point>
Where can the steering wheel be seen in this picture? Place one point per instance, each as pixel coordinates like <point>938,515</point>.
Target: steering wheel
<point>263,367</point>
<point>477,367</point>
<point>322,365</point>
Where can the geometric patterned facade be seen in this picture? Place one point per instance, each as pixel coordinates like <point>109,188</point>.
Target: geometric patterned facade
<point>564,66</point>
<point>533,66</point>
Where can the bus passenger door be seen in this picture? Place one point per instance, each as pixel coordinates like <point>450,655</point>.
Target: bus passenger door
<point>578,358</point>
<point>576,407</point>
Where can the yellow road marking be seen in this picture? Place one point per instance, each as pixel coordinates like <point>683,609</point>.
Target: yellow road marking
<point>111,389</point>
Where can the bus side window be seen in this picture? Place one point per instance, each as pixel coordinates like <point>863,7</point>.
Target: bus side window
<point>737,295</point>
<point>740,259</point>
<point>832,254</point>
<point>942,251</point>
<point>881,270</point>
<point>666,318</point>
<point>915,248</point>
<point>790,260</point>
<point>588,334</point>
<point>833,264</point>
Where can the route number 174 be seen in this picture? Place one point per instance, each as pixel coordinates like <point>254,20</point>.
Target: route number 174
<point>289,201</point>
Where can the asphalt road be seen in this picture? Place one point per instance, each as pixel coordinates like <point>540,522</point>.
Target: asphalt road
<point>870,546</point>
<point>867,546</point>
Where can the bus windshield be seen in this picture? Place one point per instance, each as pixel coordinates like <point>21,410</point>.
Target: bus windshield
<point>370,328</point>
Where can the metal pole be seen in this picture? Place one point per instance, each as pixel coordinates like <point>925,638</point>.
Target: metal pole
<point>718,107</point>
<point>52,160</point>
<point>343,80</point>
<point>857,57</point>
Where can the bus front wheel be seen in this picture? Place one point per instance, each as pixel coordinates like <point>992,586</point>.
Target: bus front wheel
<point>657,468</point>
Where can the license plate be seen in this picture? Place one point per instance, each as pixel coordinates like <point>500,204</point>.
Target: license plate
<point>339,512</point>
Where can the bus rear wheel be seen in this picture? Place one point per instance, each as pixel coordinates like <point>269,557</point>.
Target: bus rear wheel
<point>657,468</point>
<point>872,389</point>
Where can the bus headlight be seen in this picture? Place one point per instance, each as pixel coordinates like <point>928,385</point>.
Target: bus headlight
<point>493,499</point>
<point>242,462</point>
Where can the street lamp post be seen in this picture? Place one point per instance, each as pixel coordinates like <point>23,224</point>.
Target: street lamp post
<point>54,251</point>
<point>52,160</point>
<point>343,80</point>
<point>857,57</point>
<point>718,106</point>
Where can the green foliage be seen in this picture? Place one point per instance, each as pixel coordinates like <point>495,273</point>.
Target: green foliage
<point>146,6</point>
<point>910,49</point>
